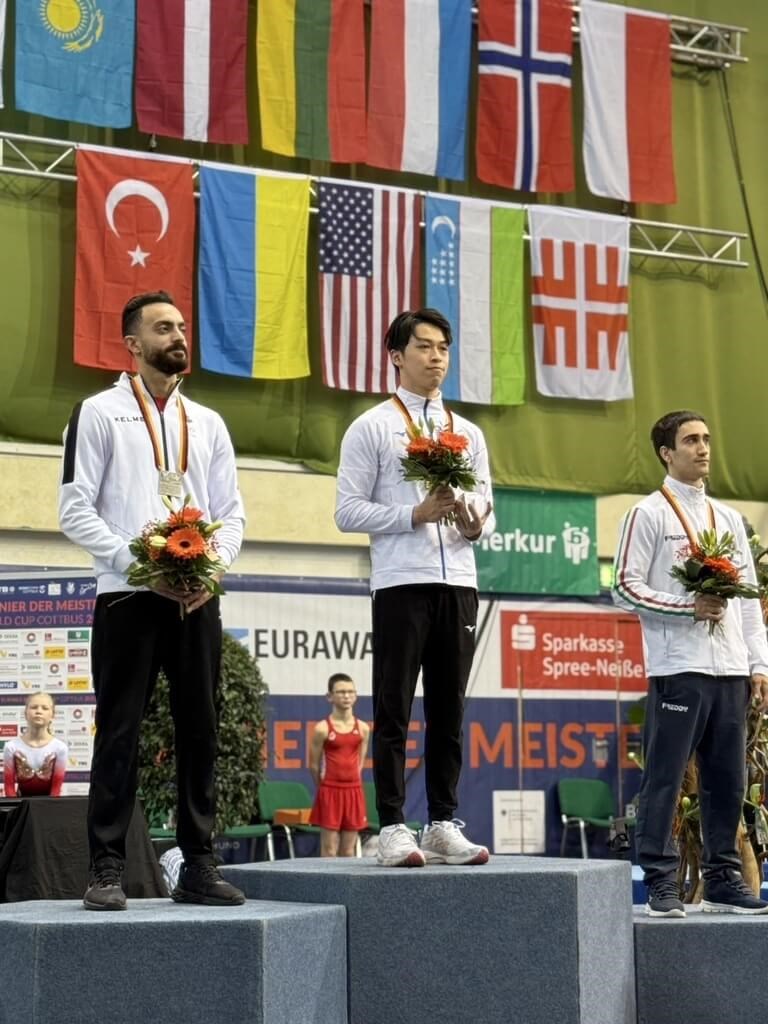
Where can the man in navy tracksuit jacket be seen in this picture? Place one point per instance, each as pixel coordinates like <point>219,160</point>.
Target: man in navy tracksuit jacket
<point>125,448</point>
<point>700,678</point>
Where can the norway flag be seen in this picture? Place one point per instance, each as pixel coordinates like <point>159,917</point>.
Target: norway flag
<point>524,132</point>
<point>627,72</point>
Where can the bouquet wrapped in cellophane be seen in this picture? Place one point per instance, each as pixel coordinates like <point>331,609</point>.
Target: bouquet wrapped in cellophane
<point>177,553</point>
<point>707,567</point>
<point>437,458</point>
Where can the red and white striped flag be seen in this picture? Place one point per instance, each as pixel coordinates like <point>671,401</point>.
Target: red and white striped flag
<point>627,75</point>
<point>580,296</point>
<point>370,270</point>
<point>2,47</point>
<point>190,69</point>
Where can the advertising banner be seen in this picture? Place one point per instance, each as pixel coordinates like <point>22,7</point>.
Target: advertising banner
<point>544,543</point>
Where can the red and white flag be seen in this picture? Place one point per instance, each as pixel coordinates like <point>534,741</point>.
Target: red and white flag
<point>580,296</point>
<point>370,270</point>
<point>135,233</point>
<point>627,75</point>
<point>190,69</point>
<point>2,47</point>
<point>525,63</point>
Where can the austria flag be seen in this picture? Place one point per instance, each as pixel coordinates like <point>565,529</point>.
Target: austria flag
<point>626,66</point>
<point>190,69</point>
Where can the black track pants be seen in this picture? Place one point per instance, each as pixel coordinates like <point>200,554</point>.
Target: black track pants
<point>134,636</point>
<point>429,627</point>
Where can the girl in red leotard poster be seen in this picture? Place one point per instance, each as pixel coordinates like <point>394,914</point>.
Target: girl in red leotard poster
<point>336,755</point>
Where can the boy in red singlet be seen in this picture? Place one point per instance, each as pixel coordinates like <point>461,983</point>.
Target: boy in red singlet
<point>341,740</point>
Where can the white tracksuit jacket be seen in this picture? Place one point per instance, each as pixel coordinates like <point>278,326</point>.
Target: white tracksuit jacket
<point>651,539</point>
<point>109,481</point>
<point>372,497</point>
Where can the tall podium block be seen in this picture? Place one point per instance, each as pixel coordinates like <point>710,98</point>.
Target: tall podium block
<point>704,969</point>
<point>262,963</point>
<point>527,939</point>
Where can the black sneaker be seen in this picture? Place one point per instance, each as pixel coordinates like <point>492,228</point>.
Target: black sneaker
<point>202,883</point>
<point>728,893</point>
<point>105,890</point>
<point>664,899</point>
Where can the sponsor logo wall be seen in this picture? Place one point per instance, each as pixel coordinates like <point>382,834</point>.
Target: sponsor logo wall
<point>548,696</point>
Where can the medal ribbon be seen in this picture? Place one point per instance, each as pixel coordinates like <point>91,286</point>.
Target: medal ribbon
<point>675,505</point>
<point>410,425</point>
<point>157,448</point>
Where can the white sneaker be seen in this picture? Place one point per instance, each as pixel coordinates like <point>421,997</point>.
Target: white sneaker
<point>398,848</point>
<point>443,843</point>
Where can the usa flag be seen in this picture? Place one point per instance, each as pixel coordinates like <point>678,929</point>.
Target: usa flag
<point>524,131</point>
<point>370,270</point>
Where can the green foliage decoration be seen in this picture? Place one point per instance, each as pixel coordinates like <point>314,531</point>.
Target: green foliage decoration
<point>241,743</point>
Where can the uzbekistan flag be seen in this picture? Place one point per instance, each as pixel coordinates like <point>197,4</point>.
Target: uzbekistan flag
<point>252,274</point>
<point>311,76</point>
<point>419,86</point>
<point>626,69</point>
<point>190,69</point>
<point>475,277</point>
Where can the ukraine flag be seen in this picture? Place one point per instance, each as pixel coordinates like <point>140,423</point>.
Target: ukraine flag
<point>253,274</point>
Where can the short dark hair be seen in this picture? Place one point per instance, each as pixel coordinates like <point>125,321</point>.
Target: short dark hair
<point>133,307</point>
<point>400,330</point>
<point>339,677</point>
<point>664,431</point>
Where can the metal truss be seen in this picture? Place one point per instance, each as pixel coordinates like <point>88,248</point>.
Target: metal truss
<point>29,164</point>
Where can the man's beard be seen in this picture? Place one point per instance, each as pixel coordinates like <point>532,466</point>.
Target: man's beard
<point>168,361</point>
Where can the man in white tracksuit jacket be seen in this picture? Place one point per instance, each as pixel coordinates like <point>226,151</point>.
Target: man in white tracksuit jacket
<point>124,448</point>
<point>423,585</point>
<point>700,678</point>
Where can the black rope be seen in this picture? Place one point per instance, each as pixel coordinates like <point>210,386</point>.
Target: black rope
<point>731,128</point>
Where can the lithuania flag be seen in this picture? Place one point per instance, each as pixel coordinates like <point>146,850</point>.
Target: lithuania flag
<point>311,74</point>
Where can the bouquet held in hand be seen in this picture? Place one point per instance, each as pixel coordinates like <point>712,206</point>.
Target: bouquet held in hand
<point>177,553</point>
<point>438,459</point>
<point>707,567</point>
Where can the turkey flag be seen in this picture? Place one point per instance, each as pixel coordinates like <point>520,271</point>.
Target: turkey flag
<point>135,233</point>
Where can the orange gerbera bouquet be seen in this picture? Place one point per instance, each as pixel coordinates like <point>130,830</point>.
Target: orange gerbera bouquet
<point>178,553</point>
<point>438,459</point>
<point>707,567</point>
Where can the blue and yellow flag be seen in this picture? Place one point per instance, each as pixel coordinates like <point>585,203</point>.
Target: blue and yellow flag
<point>74,60</point>
<point>252,295</point>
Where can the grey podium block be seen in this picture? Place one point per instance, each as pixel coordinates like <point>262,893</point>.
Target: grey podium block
<point>165,963</point>
<point>521,939</point>
<point>701,969</point>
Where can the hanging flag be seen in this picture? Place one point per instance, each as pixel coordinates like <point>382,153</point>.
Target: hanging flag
<point>135,233</point>
<point>474,255</point>
<point>190,69</point>
<point>580,295</point>
<point>2,47</point>
<point>311,74</point>
<point>627,75</point>
<point>74,60</point>
<point>525,57</point>
<point>252,279</point>
<point>419,85</point>
<point>370,270</point>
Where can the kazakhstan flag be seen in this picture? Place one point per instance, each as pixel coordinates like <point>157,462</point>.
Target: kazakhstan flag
<point>74,60</point>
